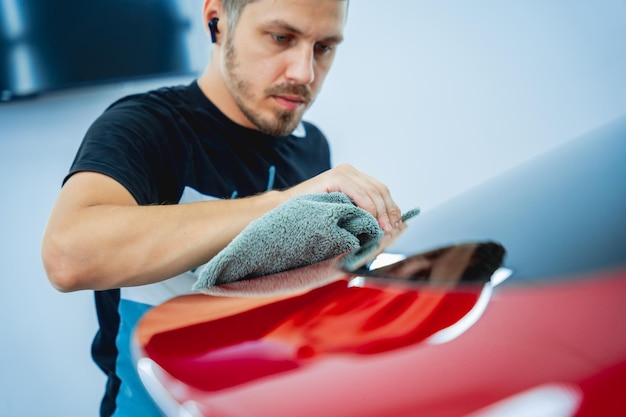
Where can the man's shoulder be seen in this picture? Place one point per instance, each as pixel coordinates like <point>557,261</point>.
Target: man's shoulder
<point>154,110</point>
<point>171,96</point>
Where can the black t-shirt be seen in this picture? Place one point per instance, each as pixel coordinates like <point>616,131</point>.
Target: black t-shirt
<point>172,143</point>
<point>158,143</point>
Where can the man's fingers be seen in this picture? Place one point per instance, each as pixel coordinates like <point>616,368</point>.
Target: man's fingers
<point>372,196</point>
<point>368,193</point>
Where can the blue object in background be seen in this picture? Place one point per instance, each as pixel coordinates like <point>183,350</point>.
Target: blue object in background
<point>48,45</point>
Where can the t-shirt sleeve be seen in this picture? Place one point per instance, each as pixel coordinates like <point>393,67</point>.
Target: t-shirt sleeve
<point>129,143</point>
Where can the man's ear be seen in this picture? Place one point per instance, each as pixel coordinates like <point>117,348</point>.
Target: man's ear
<point>211,10</point>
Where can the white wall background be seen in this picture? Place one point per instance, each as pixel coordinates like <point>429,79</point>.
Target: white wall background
<point>430,97</point>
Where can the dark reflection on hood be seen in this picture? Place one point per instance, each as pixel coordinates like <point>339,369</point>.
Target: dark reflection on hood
<point>466,262</point>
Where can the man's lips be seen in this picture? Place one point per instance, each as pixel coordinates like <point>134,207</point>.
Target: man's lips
<point>290,102</point>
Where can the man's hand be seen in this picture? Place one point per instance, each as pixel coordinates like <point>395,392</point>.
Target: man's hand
<point>366,192</point>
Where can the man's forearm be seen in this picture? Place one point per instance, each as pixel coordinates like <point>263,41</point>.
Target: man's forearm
<point>111,246</point>
<point>99,238</point>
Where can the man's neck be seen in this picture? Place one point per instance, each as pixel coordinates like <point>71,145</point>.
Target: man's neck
<point>213,86</point>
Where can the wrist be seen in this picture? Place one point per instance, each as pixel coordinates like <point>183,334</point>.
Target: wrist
<point>272,199</point>
<point>282,196</point>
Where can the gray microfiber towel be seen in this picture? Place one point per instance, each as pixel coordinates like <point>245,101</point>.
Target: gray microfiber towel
<point>302,231</point>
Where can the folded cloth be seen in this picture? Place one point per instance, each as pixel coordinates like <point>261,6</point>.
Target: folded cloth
<point>302,231</point>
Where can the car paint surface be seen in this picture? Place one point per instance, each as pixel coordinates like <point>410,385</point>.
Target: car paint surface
<point>319,353</point>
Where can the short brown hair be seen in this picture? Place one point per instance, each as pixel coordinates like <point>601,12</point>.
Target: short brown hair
<point>233,10</point>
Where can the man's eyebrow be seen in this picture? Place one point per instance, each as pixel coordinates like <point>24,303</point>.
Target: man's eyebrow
<point>281,24</point>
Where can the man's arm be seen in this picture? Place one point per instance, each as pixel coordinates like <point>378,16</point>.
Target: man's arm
<point>98,238</point>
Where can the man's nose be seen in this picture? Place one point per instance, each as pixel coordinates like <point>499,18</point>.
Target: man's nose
<point>300,66</point>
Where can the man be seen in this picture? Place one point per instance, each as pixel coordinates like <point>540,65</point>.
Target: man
<point>227,149</point>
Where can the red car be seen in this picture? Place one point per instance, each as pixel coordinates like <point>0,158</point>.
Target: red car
<point>509,300</point>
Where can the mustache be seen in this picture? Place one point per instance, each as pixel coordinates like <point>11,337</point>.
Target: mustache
<point>300,90</point>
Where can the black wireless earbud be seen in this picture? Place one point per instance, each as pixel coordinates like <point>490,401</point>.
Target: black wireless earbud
<point>213,29</point>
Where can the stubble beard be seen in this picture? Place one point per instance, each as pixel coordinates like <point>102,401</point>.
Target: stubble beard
<point>284,122</point>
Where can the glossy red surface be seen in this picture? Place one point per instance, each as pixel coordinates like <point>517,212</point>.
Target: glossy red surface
<point>369,351</point>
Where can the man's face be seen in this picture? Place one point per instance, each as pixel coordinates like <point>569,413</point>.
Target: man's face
<point>276,59</point>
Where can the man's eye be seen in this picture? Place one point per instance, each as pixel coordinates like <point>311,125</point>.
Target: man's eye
<point>282,39</point>
<point>322,48</point>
